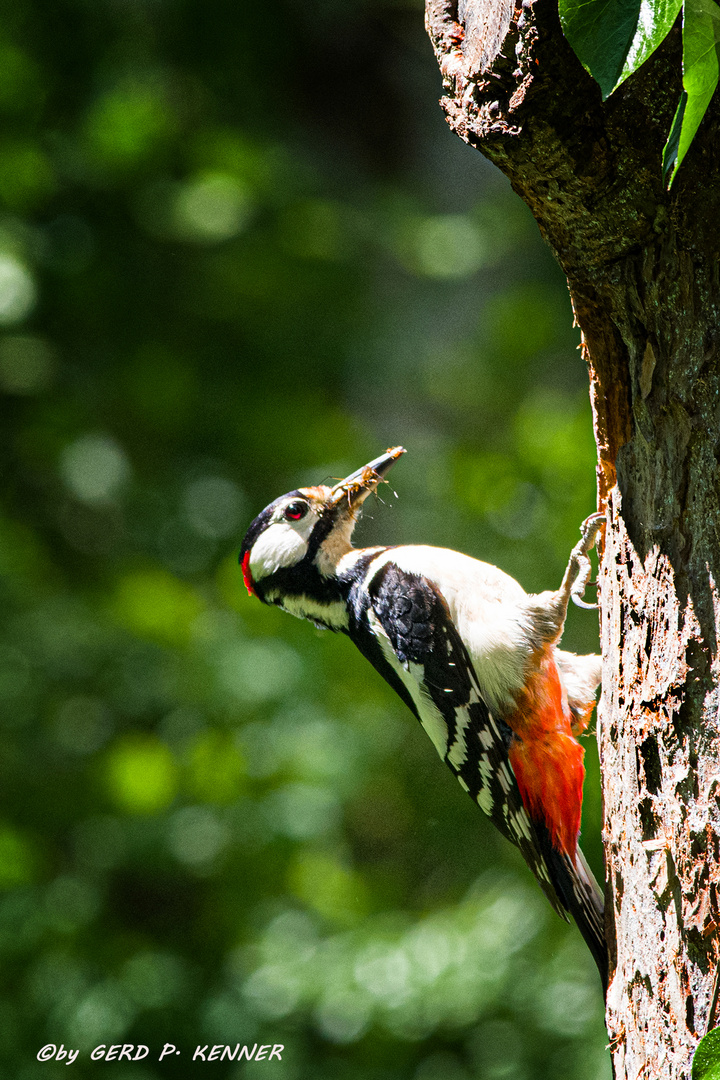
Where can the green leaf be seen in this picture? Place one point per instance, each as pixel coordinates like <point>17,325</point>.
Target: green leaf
<point>706,1063</point>
<point>601,33</point>
<point>701,67</point>
<point>671,146</point>
<point>613,38</point>
<point>655,21</point>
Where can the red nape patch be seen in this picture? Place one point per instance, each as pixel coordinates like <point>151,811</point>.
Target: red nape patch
<point>247,576</point>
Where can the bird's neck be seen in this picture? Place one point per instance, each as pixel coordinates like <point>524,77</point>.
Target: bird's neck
<point>335,548</point>
<point>322,598</point>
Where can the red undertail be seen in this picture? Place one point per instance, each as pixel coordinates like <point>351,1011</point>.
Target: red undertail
<point>546,758</point>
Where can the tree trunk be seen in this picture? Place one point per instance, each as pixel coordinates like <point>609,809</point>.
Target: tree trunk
<point>642,267</point>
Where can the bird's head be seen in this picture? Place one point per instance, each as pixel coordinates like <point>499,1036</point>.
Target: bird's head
<point>303,535</point>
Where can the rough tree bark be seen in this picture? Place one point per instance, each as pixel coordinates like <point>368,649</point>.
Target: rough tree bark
<point>642,267</point>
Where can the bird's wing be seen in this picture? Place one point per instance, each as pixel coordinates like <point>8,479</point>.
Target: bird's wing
<point>416,647</point>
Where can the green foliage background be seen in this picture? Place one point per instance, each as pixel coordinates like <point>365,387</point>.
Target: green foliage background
<point>240,251</point>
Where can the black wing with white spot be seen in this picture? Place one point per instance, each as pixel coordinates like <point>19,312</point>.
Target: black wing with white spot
<point>403,626</point>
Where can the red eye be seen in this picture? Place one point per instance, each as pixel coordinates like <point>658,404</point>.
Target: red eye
<point>295,510</point>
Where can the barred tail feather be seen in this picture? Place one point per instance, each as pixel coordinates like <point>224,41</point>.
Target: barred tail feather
<point>581,895</point>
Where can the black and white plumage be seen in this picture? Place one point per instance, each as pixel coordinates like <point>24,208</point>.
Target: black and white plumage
<point>472,655</point>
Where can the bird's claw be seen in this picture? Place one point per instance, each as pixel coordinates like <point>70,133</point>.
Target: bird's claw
<point>590,530</point>
<point>579,602</point>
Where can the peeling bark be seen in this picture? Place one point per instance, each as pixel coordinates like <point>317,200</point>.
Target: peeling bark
<point>643,272</point>
<point>662,792</point>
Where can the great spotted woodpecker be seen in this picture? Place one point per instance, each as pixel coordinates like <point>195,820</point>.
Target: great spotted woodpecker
<point>471,653</point>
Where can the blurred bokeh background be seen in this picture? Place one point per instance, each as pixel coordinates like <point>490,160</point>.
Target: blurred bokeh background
<point>240,251</point>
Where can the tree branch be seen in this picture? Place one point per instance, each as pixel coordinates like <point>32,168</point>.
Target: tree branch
<point>642,268</point>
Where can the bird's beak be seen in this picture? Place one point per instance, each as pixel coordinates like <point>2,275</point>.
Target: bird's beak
<point>355,488</point>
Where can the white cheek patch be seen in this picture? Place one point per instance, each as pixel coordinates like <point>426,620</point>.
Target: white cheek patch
<point>280,545</point>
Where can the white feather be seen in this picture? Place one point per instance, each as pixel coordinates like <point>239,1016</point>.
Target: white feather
<point>430,716</point>
<point>282,543</point>
<point>332,614</point>
<point>489,609</point>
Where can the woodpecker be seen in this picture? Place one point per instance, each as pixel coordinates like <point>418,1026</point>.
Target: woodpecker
<point>471,654</point>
